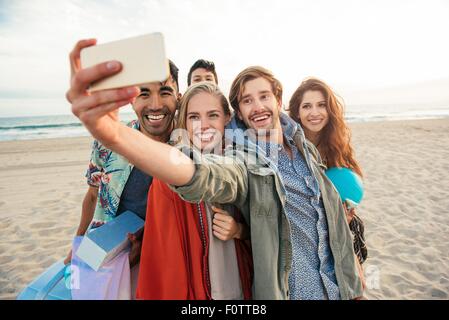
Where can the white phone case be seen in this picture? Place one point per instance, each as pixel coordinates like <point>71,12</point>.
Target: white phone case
<point>143,60</point>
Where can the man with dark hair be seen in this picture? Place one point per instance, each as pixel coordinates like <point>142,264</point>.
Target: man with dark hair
<point>184,247</point>
<point>202,70</point>
<point>114,184</point>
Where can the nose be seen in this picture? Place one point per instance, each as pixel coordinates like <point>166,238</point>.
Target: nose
<point>314,111</point>
<point>155,102</point>
<point>204,124</point>
<point>200,125</point>
<point>258,106</point>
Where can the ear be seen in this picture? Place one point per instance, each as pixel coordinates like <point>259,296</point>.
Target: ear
<point>280,105</point>
<point>227,119</point>
<point>178,101</point>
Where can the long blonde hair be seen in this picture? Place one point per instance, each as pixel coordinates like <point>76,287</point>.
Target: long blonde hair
<point>206,87</point>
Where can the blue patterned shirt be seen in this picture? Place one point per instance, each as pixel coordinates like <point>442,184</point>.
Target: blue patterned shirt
<point>312,274</point>
<point>109,172</point>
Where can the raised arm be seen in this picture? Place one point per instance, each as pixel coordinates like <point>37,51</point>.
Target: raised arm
<point>98,112</point>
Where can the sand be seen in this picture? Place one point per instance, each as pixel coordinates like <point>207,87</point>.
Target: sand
<point>406,206</point>
<point>41,188</point>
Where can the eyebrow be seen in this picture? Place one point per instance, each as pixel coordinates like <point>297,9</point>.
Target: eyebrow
<point>166,88</point>
<point>208,112</point>
<point>305,103</point>
<point>162,88</point>
<point>317,101</point>
<point>260,92</point>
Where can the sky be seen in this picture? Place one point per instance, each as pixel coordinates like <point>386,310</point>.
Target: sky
<point>368,51</point>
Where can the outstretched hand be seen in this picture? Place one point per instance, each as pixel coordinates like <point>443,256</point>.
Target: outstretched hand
<point>98,111</point>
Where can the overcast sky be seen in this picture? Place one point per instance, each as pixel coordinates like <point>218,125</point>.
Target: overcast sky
<point>355,46</point>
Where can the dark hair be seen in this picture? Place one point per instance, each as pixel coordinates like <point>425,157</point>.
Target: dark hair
<point>205,64</point>
<point>174,72</point>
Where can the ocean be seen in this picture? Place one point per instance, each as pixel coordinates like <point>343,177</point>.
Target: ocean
<point>64,126</point>
<point>45,127</point>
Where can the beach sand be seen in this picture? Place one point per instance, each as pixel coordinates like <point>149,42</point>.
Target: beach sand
<point>406,206</point>
<point>41,188</point>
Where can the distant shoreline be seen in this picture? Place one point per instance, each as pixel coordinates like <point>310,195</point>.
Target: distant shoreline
<point>68,126</point>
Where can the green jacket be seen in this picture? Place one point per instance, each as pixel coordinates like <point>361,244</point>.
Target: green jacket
<point>254,186</point>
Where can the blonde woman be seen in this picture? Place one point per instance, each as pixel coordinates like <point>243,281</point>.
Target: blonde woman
<point>199,247</point>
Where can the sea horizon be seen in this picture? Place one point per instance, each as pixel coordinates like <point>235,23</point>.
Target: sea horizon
<point>67,125</point>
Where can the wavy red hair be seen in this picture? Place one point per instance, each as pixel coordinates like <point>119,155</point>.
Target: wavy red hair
<point>334,140</point>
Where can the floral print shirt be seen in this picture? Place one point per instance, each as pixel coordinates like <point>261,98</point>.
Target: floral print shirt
<point>108,171</point>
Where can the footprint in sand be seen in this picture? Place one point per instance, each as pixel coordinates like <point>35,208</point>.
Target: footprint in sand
<point>6,259</point>
<point>437,293</point>
<point>46,203</point>
<point>5,224</point>
<point>30,247</point>
<point>435,198</point>
<point>444,281</point>
<point>41,225</point>
<point>49,232</point>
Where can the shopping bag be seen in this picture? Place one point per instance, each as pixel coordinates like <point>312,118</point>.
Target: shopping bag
<point>110,282</point>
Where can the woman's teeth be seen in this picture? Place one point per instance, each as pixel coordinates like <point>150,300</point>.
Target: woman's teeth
<point>205,136</point>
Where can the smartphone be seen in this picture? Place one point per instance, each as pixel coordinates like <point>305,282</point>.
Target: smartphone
<point>143,60</point>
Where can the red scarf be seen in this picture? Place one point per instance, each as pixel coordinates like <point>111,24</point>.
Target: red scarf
<point>173,260</point>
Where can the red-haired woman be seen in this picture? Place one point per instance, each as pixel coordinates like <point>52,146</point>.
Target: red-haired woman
<point>316,107</point>
<point>321,114</point>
